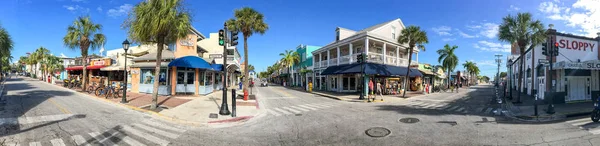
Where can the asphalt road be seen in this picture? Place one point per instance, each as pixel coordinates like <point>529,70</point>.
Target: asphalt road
<point>39,113</point>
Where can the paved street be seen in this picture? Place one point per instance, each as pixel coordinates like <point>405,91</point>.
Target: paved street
<point>41,114</point>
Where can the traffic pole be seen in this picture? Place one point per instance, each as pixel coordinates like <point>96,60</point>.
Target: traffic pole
<point>233,102</point>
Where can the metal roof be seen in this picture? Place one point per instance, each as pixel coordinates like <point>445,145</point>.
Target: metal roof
<point>166,55</point>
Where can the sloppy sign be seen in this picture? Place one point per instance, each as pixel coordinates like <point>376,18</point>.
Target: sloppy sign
<point>572,48</point>
<point>590,65</point>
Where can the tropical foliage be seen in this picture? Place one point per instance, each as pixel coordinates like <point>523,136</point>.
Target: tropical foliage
<point>414,37</point>
<point>248,21</point>
<point>158,22</point>
<point>523,31</point>
<point>289,58</point>
<point>84,35</point>
<point>6,46</point>
<point>472,69</point>
<point>448,59</point>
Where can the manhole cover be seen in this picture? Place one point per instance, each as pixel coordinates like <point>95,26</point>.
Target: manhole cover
<point>298,114</point>
<point>378,132</point>
<point>213,115</point>
<point>409,120</point>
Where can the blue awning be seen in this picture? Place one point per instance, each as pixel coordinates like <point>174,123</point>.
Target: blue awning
<point>217,67</point>
<point>371,69</point>
<point>191,62</point>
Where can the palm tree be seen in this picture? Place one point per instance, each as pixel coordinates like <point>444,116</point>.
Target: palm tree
<point>526,33</point>
<point>470,67</point>
<point>161,22</point>
<point>448,59</point>
<point>41,54</point>
<point>248,21</point>
<point>6,44</point>
<point>414,37</point>
<point>289,58</point>
<point>250,67</point>
<point>53,64</point>
<point>84,34</point>
<point>32,61</point>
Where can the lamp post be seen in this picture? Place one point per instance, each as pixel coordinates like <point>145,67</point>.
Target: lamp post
<point>125,47</point>
<point>224,107</point>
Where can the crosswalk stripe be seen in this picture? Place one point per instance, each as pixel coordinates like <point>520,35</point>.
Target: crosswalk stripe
<point>35,144</point>
<point>79,140</point>
<point>273,112</point>
<point>488,110</point>
<point>296,107</point>
<point>451,109</point>
<point>163,126</point>
<point>308,107</point>
<point>321,104</point>
<point>419,104</point>
<point>282,111</point>
<point>8,121</point>
<point>332,103</point>
<point>595,131</point>
<point>145,135</point>
<point>47,118</point>
<point>101,139</point>
<point>157,131</point>
<point>581,123</point>
<point>578,120</point>
<point>315,105</point>
<point>126,138</point>
<point>13,144</point>
<point>290,109</point>
<point>57,142</point>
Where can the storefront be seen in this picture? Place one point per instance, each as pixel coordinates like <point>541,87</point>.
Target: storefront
<point>347,78</point>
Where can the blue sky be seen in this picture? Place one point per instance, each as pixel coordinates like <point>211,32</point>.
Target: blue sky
<point>471,25</point>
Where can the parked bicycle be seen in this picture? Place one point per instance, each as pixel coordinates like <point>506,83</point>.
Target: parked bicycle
<point>92,88</point>
<point>109,91</point>
<point>74,83</point>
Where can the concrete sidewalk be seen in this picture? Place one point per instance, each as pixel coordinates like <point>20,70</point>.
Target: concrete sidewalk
<point>525,111</point>
<point>200,109</point>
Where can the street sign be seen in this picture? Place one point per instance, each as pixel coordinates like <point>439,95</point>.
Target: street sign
<point>543,61</point>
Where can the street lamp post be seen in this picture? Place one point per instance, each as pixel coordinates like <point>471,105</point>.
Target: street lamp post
<point>125,47</point>
<point>224,107</point>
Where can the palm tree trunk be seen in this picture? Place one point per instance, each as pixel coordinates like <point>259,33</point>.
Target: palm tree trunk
<point>520,78</point>
<point>159,49</point>
<point>449,78</point>
<point>246,74</point>
<point>406,78</point>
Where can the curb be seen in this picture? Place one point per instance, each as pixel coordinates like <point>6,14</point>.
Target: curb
<point>507,106</point>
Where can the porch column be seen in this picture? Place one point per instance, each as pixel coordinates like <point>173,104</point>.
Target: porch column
<point>196,83</point>
<point>384,54</point>
<point>366,77</point>
<point>351,50</point>
<point>417,57</point>
<point>397,56</point>
<point>328,57</point>
<point>313,60</point>
<point>338,55</point>
<point>320,59</point>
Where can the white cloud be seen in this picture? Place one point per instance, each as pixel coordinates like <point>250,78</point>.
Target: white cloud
<point>465,35</point>
<point>489,30</point>
<point>513,8</point>
<point>119,11</point>
<point>99,9</point>
<point>63,55</point>
<point>76,8</point>
<point>448,39</point>
<point>485,62</point>
<point>442,30</point>
<point>583,15</point>
<point>492,47</point>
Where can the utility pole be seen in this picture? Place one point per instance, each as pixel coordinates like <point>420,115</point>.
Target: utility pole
<point>553,52</point>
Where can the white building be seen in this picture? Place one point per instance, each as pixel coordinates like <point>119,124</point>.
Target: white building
<point>212,52</point>
<point>576,69</point>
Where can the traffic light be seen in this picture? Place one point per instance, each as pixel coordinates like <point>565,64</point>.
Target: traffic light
<point>221,37</point>
<point>234,38</point>
<point>555,49</point>
<point>545,48</point>
<point>359,58</point>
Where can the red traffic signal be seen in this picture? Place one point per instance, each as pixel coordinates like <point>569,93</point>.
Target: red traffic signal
<point>556,44</point>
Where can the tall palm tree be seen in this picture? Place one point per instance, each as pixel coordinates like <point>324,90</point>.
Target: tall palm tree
<point>470,67</point>
<point>6,44</point>
<point>250,67</point>
<point>84,34</point>
<point>53,64</point>
<point>414,37</point>
<point>448,59</point>
<point>248,21</point>
<point>289,58</point>
<point>526,33</point>
<point>32,61</point>
<point>161,22</point>
<point>41,54</point>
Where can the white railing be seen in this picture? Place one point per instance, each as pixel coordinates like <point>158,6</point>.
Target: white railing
<point>403,62</point>
<point>375,58</point>
<point>324,63</point>
<point>391,60</point>
<point>332,61</point>
<point>345,59</point>
<point>317,64</point>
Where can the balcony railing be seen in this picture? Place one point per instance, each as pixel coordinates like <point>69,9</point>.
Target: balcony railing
<point>403,62</point>
<point>324,63</point>
<point>345,59</point>
<point>332,61</point>
<point>317,64</point>
<point>375,58</point>
<point>391,60</point>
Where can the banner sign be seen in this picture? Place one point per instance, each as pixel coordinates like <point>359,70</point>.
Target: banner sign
<point>591,65</point>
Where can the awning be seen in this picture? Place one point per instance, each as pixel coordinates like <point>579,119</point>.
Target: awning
<point>191,62</point>
<point>81,68</point>
<point>371,69</point>
<point>149,64</point>
<point>426,72</point>
<point>217,67</point>
<point>112,68</point>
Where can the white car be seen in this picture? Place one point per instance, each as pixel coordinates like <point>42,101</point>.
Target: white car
<point>264,83</point>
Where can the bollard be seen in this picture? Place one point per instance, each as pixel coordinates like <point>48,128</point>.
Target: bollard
<point>535,106</point>
<point>233,101</point>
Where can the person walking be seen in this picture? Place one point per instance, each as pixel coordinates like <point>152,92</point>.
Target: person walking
<point>379,91</point>
<point>370,89</point>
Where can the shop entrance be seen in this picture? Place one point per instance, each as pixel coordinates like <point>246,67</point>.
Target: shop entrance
<point>541,87</point>
<point>333,83</point>
<point>349,84</point>
<point>185,82</point>
<point>578,88</point>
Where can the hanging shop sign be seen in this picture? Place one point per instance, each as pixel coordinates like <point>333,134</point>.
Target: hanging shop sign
<point>571,48</point>
<point>591,65</point>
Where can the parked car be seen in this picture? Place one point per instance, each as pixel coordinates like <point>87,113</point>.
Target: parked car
<point>264,83</point>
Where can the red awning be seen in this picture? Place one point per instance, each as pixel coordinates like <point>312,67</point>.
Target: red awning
<point>81,67</point>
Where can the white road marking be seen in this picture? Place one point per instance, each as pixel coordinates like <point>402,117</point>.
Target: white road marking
<point>578,120</point>
<point>290,109</point>
<point>318,105</point>
<point>101,139</point>
<point>331,103</point>
<point>35,144</point>
<point>145,135</point>
<point>451,109</point>
<point>282,111</point>
<point>429,105</point>
<point>8,121</point>
<point>163,126</point>
<point>34,119</point>
<point>488,110</point>
<point>157,131</point>
<point>303,109</point>
<point>79,140</point>
<point>315,106</point>
<point>308,107</point>
<point>13,144</point>
<point>581,123</point>
<point>273,112</point>
<point>57,142</point>
<point>595,131</point>
<point>126,138</point>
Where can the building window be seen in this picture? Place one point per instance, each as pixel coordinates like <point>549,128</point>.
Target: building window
<point>172,47</point>
<point>147,76</point>
<point>337,35</point>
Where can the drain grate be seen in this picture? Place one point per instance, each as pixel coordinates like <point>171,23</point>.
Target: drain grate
<point>378,132</point>
<point>213,115</point>
<point>298,114</point>
<point>409,120</point>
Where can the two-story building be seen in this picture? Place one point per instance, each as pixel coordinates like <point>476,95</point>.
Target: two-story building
<point>66,63</point>
<point>306,62</point>
<point>212,52</point>
<point>336,69</point>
